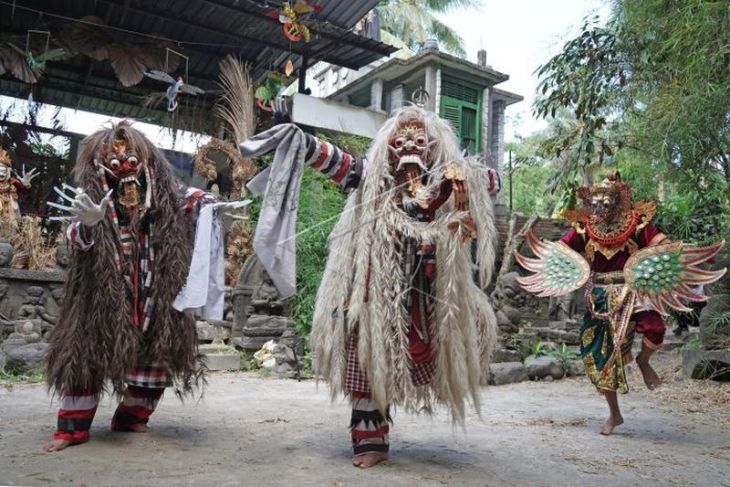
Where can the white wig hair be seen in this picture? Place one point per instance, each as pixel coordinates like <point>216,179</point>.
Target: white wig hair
<point>364,275</point>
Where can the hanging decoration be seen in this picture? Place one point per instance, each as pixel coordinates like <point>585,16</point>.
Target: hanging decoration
<point>177,85</point>
<point>269,89</point>
<point>289,68</point>
<point>27,64</point>
<point>291,15</point>
<point>131,54</point>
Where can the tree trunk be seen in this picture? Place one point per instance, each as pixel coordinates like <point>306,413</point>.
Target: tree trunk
<point>514,241</point>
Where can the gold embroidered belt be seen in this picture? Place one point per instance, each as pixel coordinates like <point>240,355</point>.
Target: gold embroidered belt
<point>615,277</point>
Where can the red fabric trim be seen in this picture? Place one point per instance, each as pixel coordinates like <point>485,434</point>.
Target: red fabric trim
<point>322,155</point>
<point>19,186</point>
<point>367,434</point>
<point>76,413</point>
<point>193,200</point>
<point>361,395</point>
<point>74,437</point>
<point>347,158</point>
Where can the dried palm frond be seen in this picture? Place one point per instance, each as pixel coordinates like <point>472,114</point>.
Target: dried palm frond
<point>239,248</point>
<point>31,250</point>
<point>237,106</point>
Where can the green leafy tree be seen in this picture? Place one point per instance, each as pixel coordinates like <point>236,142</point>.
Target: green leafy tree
<point>655,78</point>
<point>414,21</point>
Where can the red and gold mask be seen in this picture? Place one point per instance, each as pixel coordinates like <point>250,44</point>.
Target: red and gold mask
<point>127,171</point>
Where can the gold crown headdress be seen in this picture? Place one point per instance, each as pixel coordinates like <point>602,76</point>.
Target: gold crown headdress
<point>611,184</point>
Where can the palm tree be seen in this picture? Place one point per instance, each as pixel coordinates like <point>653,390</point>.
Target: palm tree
<point>414,21</point>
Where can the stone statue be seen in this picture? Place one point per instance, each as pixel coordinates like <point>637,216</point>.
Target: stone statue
<point>34,307</point>
<point>62,255</point>
<point>512,305</point>
<point>563,308</point>
<point>6,254</point>
<point>260,312</point>
<point>266,299</point>
<point>30,331</point>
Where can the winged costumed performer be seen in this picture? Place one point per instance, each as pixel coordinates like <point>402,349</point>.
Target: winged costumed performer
<point>632,274</point>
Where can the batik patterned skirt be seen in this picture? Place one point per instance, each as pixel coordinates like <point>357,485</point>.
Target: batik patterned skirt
<point>598,335</point>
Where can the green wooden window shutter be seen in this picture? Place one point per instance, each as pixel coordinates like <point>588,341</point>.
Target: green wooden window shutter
<point>461,105</point>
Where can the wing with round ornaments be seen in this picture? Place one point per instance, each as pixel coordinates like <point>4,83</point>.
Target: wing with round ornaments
<point>664,275</point>
<point>558,270</point>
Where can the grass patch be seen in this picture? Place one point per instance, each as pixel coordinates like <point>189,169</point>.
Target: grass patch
<point>15,377</point>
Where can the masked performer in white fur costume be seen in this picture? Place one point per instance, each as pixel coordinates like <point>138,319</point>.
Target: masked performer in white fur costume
<point>133,234</point>
<point>399,319</point>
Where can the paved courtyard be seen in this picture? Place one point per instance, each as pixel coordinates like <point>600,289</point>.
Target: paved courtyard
<point>250,430</point>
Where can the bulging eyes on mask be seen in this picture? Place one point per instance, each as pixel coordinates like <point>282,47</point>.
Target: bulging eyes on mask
<point>409,155</point>
<point>127,173</point>
<point>602,206</point>
<point>5,173</point>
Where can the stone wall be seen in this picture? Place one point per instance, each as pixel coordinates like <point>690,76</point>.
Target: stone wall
<point>30,303</point>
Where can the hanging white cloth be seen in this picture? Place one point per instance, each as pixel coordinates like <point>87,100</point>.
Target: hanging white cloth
<point>204,288</point>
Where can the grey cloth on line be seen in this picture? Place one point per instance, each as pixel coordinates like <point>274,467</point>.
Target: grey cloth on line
<point>274,239</point>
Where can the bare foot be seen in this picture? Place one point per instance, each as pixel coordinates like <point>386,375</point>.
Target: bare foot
<point>369,459</point>
<point>56,445</point>
<point>610,424</point>
<point>651,379</point>
<point>139,428</point>
<point>134,428</point>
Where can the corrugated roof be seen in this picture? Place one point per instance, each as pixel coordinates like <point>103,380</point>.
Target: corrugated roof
<point>208,30</point>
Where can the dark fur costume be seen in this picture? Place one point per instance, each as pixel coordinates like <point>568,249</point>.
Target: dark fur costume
<point>95,340</point>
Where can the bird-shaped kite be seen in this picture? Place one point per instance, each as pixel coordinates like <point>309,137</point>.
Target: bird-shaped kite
<point>130,56</point>
<point>27,64</point>
<point>177,86</point>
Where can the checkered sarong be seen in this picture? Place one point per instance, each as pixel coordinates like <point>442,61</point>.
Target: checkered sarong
<point>356,380</point>
<point>149,376</point>
<point>419,264</point>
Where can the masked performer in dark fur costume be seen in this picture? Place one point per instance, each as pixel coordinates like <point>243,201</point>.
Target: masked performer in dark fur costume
<point>132,232</point>
<point>399,319</point>
<point>633,274</point>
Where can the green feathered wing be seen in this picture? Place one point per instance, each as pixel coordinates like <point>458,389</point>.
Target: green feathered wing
<point>664,275</point>
<point>558,269</point>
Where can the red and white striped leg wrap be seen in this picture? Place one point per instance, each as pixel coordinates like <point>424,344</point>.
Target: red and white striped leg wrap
<point>136,407</point>
<point>75,417</point>
<point>369,428</point>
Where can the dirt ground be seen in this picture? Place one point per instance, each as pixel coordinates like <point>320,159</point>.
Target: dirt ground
<point>250,430</point>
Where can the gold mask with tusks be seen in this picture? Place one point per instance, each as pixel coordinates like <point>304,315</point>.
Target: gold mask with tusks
<point>409,148</point>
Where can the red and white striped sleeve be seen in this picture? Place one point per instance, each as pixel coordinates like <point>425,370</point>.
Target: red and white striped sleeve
<point>343,168</point>
<point>76,237</point>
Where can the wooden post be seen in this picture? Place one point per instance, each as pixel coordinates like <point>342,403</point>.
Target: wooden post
<point>303,75</point>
